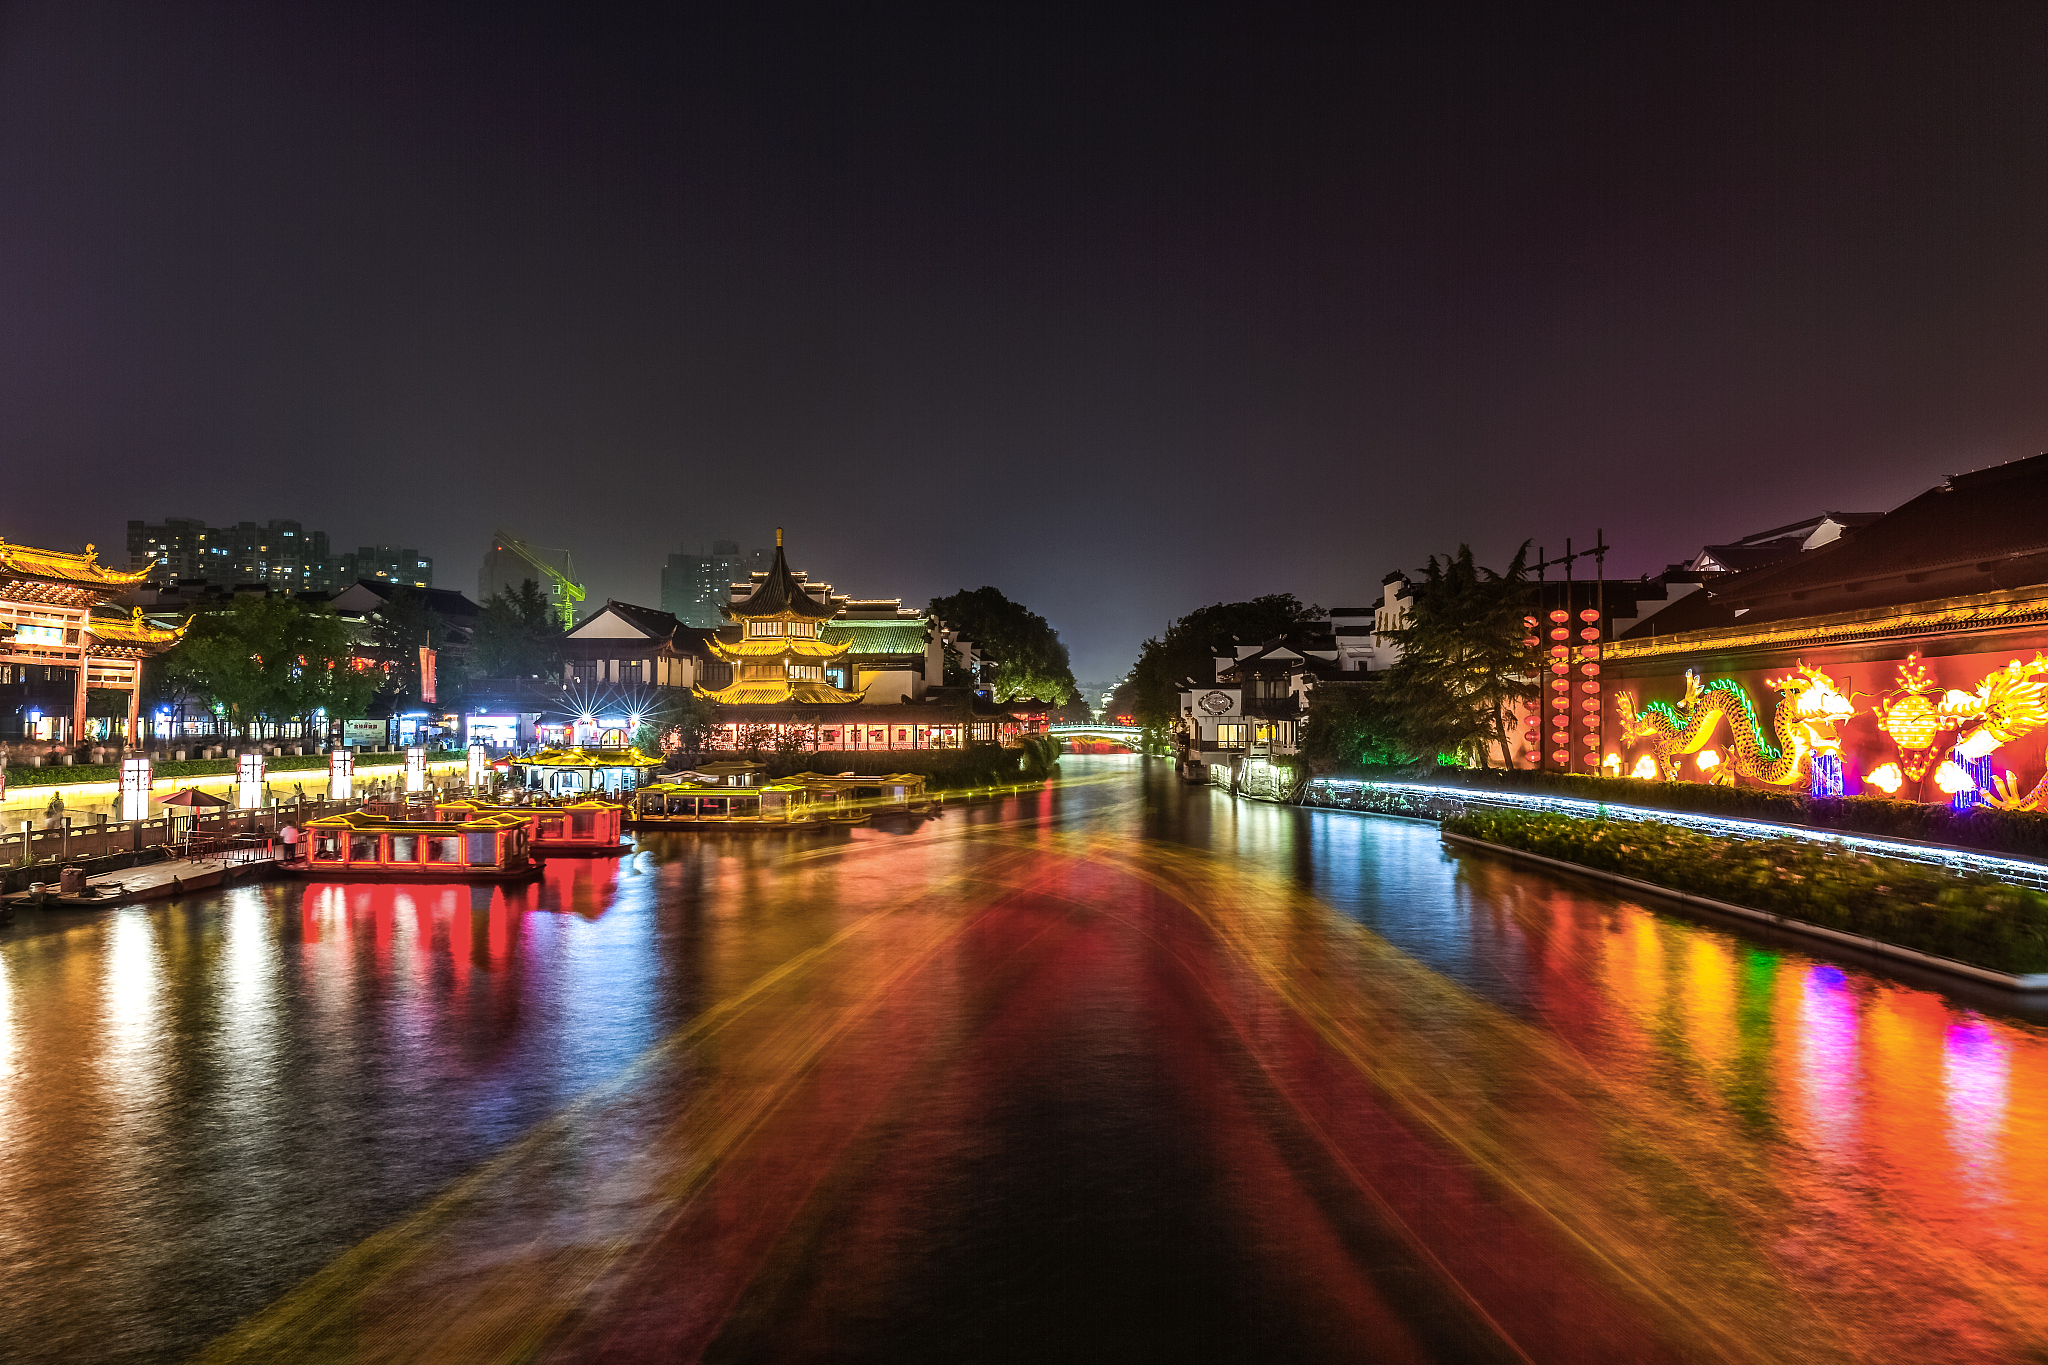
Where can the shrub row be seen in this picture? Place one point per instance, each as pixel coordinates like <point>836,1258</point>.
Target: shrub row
<point>59,776</point>
<point>1969,918</point>
<point>2020,833</point>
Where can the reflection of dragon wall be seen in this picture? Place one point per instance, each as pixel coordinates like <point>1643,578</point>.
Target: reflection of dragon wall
<point>1809,709</point>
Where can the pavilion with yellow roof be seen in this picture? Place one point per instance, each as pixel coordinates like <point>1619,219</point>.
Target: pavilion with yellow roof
<point>52,616</point>
<point>776,646</point>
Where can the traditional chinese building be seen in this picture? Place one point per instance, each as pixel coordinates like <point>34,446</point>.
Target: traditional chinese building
<point>55,631</point>
<point>776,646</point>
<point>1903,657</point>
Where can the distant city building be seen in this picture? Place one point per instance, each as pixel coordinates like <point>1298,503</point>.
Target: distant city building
<point>280,554</point>
<point>694,587</point>
<point>276,554</point>
<point>388,564</point>
<point>511,561</point>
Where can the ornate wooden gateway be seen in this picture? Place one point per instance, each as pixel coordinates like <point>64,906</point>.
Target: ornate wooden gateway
<point>53,616</point>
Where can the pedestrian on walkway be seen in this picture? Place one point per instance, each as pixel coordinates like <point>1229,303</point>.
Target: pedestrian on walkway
<point>290,837</point>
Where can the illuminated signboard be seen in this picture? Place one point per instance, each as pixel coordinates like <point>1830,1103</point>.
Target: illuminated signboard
<point>416,769</point>
<point>135,779</point>
<point>39,635</point>
<point>249,781</point>
<point>341,770</point>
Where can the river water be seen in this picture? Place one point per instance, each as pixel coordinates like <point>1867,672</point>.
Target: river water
<point>1117,1070</point>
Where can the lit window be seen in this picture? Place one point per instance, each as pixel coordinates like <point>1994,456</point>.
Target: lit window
<point>1230,735</point>
<point>764,627</point>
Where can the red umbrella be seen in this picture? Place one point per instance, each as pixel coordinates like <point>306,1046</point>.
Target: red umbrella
<point>193,797</point>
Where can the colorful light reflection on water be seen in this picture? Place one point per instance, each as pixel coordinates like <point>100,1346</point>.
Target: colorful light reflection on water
<point>1239,1078</point>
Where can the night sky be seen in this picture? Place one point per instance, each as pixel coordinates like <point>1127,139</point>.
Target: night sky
<point>1121,311</point>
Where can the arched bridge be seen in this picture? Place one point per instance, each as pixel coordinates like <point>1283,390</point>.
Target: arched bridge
<point>1126,735</point>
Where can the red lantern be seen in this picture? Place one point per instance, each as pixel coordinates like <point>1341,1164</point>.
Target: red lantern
<point>1589,616</point>
<point>1590,670</point>
<point>1530,642</point>
<point>1560,685</point>
<point>1593,760</point>
<point>1587,686</point>
<point>1560,634</point>
<point>1560,616</point>
<point>1589,651</point>
<point>1560,756</point>
<point>1529,623</point>
<point>1590,633</point>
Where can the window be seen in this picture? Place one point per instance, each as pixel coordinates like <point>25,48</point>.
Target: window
<point>483,849</point>
<point>711,805</point>
<point>761,671</point>
<point>799,627</point>
<point>809,672</point>
<point>1230,734</point>
<point>764,627</point>
<point>583,824</point>
<point>746,807</point>
<point>444,848</point>
<point>682,805</point>
<point>326,846</point>
<point>405,848</point>
<point>362,848</point>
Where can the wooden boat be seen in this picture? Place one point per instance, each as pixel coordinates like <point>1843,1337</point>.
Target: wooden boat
<point>356,846</point>
<point>806,799</point>
<point>588,829</point>
<point>710,805</point>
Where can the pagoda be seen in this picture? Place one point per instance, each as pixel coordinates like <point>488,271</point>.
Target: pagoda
<point>775,644</point>
<point>52,614</point>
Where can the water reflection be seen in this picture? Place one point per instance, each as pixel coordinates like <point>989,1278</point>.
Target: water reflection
<point>1232,1041</point>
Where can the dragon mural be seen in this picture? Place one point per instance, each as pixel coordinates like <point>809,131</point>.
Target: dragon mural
<point>1810,707</point>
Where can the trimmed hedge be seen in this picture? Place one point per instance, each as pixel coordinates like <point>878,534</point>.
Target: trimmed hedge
<point>2020,833</point>
<point>57,775</point>
<point>1969,918</point>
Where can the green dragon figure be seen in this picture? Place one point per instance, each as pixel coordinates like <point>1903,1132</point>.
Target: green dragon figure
<point>1809,709</point>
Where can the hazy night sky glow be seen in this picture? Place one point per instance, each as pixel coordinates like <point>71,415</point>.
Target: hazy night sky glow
<point>1120,312</point>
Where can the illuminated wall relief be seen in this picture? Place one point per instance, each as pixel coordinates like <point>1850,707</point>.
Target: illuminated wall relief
<point>1966,730</point>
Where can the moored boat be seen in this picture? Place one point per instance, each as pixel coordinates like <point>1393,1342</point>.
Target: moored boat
<point>491,847</point>
<point>587,829</point>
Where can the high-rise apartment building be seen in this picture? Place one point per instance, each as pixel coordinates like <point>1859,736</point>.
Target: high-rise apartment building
<point>389,564</point>
<point>694,587</point>
<point>277,554</point>
<point>282,554</point>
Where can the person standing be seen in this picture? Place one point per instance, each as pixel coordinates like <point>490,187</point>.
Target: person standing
<point>290,837</point>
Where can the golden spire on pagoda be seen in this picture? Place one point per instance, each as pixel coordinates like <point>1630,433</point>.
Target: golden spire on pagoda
<point>776,652</point>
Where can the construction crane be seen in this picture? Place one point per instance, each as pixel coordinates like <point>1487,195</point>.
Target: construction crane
<point>512,561</point>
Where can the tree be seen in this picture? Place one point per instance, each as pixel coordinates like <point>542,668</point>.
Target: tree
<point>1029,659</point>
<point>676,722</point>
<point>1462,661</point>
<point>1189,648</point>
<point>517,635</point>
<point>269,658</point>
<point>1353,724</point>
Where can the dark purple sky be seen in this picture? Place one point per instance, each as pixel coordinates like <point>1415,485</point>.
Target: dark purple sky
<point>1120,312</point>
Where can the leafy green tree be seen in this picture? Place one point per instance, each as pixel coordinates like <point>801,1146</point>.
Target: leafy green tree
<point>1189,648</point>
<point>1353,724</point>
<point>518,635</point>
<point>677,722</point>
<point>269,658</point>
<point>1030,661</point>
<point>1463,663</point>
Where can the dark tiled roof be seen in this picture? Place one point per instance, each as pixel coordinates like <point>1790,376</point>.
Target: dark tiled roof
<point>445,601</point>
<point>656,625</point>
<point>1991,523</point>
<point>780,592</point>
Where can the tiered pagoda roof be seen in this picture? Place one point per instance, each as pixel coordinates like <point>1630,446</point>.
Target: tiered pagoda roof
<point>775,632</point>
<point>60,578</point>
